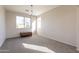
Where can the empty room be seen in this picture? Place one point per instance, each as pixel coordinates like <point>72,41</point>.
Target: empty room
<point>39,28</point>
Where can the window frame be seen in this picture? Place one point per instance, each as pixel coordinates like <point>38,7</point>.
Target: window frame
<point>24,22</point>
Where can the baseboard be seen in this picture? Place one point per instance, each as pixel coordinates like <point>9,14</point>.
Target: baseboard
<point>13,37</point>
<point>56,40</point>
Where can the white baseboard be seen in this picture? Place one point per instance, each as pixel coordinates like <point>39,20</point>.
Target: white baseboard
<point>56,40</point>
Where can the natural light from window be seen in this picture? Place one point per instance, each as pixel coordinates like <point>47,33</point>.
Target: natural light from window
<point>38,48</point>
<point>22,22</point>
<point>34,26</point>
<point>39,22</point>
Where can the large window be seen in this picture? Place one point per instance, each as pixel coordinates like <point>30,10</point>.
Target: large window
<point>22,22</point>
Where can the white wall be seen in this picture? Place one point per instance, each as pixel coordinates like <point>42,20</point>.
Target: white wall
<point>2,26</point>
<point>12,31</point>
<point>77,28</point>
<point>59,24</point>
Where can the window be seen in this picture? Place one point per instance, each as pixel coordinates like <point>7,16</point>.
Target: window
<point>27,22</point>
<point>22,22</point>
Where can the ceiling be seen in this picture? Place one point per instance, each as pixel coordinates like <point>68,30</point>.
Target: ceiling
<point>37,9</point>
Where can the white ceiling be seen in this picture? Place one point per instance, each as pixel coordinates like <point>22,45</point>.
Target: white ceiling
<point>37,9</point>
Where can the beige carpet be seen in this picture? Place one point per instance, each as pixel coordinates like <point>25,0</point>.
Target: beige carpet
<point>35,44</point>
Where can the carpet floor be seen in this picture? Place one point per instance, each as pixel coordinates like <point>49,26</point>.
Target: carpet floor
<point>35,44</point>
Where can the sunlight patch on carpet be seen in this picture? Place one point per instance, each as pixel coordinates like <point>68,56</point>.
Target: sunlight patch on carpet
<point>38,48</point>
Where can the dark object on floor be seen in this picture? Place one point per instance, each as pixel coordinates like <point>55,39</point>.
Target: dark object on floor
<point>25,34</point>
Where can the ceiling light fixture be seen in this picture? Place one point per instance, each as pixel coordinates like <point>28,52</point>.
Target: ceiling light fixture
<point>30,11</point>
